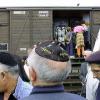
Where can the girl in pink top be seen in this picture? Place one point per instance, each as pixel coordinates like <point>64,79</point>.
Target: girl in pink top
<point>78,29</point>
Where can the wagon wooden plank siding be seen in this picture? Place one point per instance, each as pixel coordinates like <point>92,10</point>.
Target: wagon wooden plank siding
<point>22,27</point>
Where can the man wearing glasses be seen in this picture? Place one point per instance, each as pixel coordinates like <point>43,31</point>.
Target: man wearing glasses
<point>94,61</point>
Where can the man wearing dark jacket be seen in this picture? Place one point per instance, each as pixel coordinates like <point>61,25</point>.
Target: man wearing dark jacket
<point>47,66</point>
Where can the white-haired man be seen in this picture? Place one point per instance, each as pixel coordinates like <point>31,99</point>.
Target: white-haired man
<point>47,66</point>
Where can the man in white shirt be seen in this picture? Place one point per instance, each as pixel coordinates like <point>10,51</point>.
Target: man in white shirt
<point>92,83</point>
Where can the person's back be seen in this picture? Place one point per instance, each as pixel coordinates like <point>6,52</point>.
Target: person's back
<point>54,96</point>
<point>47,67</point>
<point>78,29</point>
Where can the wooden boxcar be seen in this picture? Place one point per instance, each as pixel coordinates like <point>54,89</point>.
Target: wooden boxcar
<point>20,28</point>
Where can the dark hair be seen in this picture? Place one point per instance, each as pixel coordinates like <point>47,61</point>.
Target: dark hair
<point>77,23</point>
<point>7,59</point>
<point>82,22</point>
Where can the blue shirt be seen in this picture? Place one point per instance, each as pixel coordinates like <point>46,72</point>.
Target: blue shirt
<point>22,89</point>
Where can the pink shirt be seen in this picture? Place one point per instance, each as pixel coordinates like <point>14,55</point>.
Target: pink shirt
<point>78,29</point>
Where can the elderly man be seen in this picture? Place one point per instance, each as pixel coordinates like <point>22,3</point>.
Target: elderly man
<point>94,60</point>
<point>47,66</point>
<point>11,85</point>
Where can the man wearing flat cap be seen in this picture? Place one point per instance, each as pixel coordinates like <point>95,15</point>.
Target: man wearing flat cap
<point>47,66</point>
<point>11,85</point>
<point>94,61</point>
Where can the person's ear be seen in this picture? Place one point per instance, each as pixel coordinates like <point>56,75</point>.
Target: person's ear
<point>32,74</point>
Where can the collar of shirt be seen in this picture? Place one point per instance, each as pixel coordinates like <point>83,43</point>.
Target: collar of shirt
<point>22,89</point>
<point>48,89</point>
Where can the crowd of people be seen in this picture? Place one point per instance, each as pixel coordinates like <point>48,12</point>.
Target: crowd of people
<point>75,39</point>
<point>40,76</point>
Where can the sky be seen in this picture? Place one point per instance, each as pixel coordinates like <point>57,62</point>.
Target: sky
<point>49,3</point>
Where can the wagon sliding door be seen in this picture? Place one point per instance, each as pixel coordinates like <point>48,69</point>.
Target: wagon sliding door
<point>4,31</point>
<point>95,25</point>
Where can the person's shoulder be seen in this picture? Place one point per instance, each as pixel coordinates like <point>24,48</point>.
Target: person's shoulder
<point>54,96</point>
<point>30,97</point>
<point>23,88</point>
<point>66,96</point>
<point>26,86</point>
<point>72,96</point>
